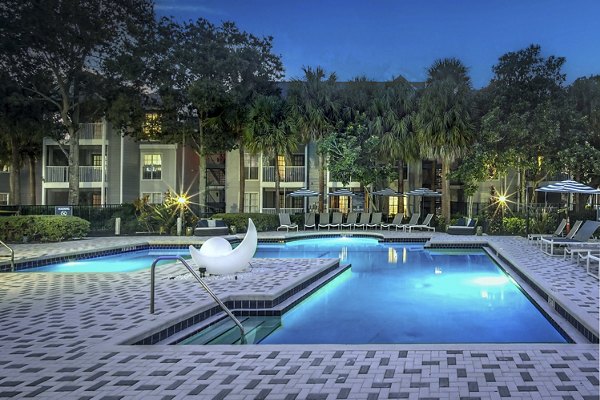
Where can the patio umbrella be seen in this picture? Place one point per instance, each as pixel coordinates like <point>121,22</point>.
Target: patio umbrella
<point>343,192</point>
<point>387,192</point>
<point>304,192</point>
<point>423,192</point>
<point>568,186</point>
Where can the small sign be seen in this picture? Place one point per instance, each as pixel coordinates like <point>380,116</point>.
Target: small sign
<point>63,210</point>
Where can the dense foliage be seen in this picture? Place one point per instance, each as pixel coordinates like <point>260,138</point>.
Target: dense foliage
<point>43,228</point>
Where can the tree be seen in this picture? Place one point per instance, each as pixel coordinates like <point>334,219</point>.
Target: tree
<point>316,108</point>
<point>527,107</point>
<point>444,118</point>
<point>271,131</point>
<point>23,124</point>
<point>392,116</point>
<point>206,76</point>
<point>73,44</point>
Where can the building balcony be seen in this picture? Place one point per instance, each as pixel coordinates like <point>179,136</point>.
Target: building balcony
<point>60,174</point>
<point>287,210</point>
<point>91,130</point>
<point>290,174</point>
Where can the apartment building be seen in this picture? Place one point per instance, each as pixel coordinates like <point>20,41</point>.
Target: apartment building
<point>116,169</point>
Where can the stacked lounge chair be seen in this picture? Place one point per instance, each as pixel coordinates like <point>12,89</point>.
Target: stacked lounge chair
<point>350,221</point>
<point>583,235</point>
<point>285,222</point>
<point>424,225</point>
<point>558,232</point>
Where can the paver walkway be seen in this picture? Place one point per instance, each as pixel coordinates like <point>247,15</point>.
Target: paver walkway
<point>58,335</point>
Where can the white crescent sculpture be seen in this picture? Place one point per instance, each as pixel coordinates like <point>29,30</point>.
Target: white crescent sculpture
<point>217,256</point>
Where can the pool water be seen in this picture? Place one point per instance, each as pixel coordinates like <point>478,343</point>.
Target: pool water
<point>403,293</point>
<point>123,262</point>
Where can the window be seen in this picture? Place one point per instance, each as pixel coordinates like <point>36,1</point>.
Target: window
<point>281,167</point>
<point>153,197</point>
<point>151,126</point>
<point>3,199</point>
<point>152,168</point>
<point>393,205</point>
<point>250,202</point>
<point>251,165</point>
<point>343,206</point>
<point>97,160</point>
<point>96,199</point>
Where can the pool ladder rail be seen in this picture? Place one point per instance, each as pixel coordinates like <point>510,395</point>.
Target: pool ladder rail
<point>12,255</point>
<point>204,286</point>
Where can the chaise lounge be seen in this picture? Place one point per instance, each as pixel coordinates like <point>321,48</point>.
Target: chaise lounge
<point>211,227</point>
<point>464,226</point>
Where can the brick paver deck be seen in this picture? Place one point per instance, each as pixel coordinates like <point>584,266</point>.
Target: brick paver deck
<point>59,336</point>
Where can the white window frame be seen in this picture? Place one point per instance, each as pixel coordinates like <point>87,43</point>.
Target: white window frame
<point>249,205</point>
<point>4,199</point>
<point>143,164</point>
<point>152,197</point>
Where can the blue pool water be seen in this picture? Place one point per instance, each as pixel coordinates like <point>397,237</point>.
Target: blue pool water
<point>123,262</point>
<point>402,293</point>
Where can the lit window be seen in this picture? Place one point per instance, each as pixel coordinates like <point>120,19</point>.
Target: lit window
<point>97,160</point>
<point>152,167</point>
<point>151,126</point>
<point>281,167</point>
<point>393,205</point>
<point>3,199</point>
<point>343,203</point>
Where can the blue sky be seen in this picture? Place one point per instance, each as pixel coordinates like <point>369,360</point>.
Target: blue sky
<point>386,38</point>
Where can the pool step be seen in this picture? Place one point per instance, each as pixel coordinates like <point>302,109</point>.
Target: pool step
<point>226,332</point>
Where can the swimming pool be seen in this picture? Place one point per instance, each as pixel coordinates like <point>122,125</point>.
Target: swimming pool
<point>403,293</point>
<point>130,261</point>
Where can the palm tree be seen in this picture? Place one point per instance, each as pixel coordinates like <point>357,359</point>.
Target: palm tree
<point>271,131</point>
<point>444,118</point>
<point>392,118</point>
<point>315,109</point>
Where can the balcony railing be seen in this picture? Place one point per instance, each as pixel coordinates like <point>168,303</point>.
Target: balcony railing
<point>291,174</point>
<point>61,174</point>
<point>92,130</point>
<point>283,210</point>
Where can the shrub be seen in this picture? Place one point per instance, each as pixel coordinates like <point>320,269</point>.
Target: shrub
<point>44,228</point>
<point>263,222</point>
<point>514,225</point>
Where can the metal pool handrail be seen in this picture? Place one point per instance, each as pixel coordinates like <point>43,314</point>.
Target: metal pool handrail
<point>201,282</point>
<point>12,256</point>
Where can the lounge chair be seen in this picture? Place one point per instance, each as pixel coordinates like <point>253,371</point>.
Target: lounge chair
<point>424,225</point>
<point>375,220</point>
<point>336,220</point>
<point>582,236</point>
<point>211,227</point>
<point>365,217</point>
<point>557,233</point>
<point>396,223</point>
<point>570,235</point>
<point>285,222</point>
<point>593,262</point>
<point>413,221</point>
<point>309,221</point>
<point>323,220</point>
<point>464,226</point>
<point>350,221</point>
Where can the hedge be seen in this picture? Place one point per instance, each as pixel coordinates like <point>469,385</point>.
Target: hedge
<point>43,228</point>
<point>263,222</point>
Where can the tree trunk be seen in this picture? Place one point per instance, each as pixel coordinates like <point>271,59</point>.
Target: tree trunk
<point>15,172</point>
<point>32,179</point>
<point>277,184</point>
<point>73,165</point>
<point>446,190</point>
<point>322,182</point>
<point>401,185</point>
<point>242,179</point>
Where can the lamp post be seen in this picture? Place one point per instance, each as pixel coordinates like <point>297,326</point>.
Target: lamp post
<point>181,203</point>
<point>502,202</point>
